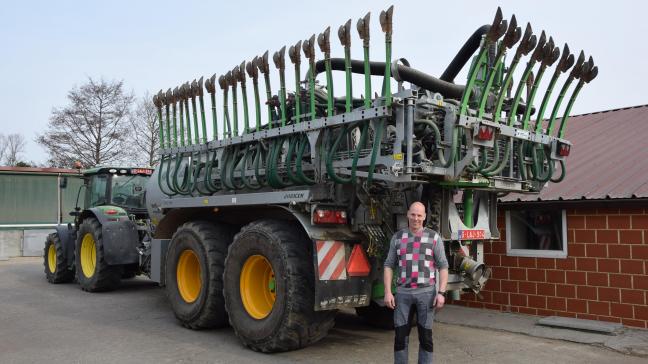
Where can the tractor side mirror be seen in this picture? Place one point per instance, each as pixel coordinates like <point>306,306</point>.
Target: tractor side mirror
<point>63,182</point>
<point>76,212</point>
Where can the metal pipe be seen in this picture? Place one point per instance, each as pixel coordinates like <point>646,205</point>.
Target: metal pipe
<point>363,32</point>
<point>199,92</point>
<point>566,61</point>
<point>344,33</point>
<point>279,59</point>
<point>386,25</point>
<point>253,72</point>
<point>210,85</point>
<point>409,133</point>
<point>294,55</point>
<point>535,57</point>
<point>325,47</point>
<point>309,52</point>
<point>575,73</point>
<point>264,67</point>
<point>234,75</point>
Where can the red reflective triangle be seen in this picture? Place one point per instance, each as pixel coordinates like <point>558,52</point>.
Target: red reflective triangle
<point>358,265</point>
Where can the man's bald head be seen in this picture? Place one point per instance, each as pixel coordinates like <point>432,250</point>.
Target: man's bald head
<point>418,207</point>
<point>416,216</point>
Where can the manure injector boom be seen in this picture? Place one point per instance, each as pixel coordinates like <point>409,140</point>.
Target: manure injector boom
<point>273,220</point>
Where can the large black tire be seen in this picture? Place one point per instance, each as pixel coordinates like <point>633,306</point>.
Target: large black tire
<point>194,274</point>
<point>92,271</point>
<point>290,321</point>
<point>377,316</point>
<point>56,266</point>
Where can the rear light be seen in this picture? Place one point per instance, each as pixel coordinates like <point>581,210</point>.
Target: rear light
<point>564,149</point>
<point>322,216</point>
<point>111,212</point>
<point>141,171</point>
<point>485,132</point>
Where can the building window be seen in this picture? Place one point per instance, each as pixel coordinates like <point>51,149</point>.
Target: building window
<point>536,233</point>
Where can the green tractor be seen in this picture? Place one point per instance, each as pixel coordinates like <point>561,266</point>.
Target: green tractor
<point>109,237</point>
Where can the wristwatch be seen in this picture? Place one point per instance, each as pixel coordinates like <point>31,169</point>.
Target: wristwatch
<point>444,294</point>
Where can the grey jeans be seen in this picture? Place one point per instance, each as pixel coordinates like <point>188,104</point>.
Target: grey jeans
<point>407,304</point>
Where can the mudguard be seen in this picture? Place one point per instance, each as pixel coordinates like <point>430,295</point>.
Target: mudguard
<point>119,234</point>
<point>120,240</point>
<point>67,236</point>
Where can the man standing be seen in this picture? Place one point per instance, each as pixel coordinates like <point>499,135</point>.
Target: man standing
<point>419,252</point>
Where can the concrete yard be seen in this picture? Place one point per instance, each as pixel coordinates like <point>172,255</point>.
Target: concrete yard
<point>41,322</point>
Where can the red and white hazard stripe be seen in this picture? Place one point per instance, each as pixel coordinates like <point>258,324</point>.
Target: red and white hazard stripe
<point>331,263</point>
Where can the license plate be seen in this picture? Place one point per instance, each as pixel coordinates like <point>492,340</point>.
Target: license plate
<point>471,234</point>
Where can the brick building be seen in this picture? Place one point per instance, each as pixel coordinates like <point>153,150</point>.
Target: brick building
<point>600,210</point>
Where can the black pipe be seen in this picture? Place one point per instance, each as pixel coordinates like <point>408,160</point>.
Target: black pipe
<point>408,74</point>
<point>464,54</point>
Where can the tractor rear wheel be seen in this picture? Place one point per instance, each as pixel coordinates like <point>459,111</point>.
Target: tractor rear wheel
<point>56,266</point>
<point>194,274</point>
<point>92,271</point>
<point>269,288</point>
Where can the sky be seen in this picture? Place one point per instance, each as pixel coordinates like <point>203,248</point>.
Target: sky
<point>50,47</point>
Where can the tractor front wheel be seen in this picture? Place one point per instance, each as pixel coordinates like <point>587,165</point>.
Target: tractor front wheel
<point>92,271</point>
<point>56,266</point>
<point>270,290</point>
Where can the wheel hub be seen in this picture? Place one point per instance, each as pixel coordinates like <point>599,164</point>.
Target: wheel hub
<point>88,255</point>
<point>188,276</point>
<point>258,286</point>
<point>51,258</point>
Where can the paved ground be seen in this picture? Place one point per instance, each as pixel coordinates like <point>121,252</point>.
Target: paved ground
<point>61,324</point>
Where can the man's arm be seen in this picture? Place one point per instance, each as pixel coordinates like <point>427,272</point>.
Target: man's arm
<point>442,263</point>
<point>387,282</point>
<point>443,283</point>
<point>388,275</point>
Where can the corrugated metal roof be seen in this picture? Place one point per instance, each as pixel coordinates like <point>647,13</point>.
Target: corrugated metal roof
<point>608,159</point>
<point>37,170</point>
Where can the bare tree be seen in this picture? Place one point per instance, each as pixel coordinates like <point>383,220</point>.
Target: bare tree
<point>93,128</point>
<point>145,136</point>
<point>3,147</point>
<point>15,146</point>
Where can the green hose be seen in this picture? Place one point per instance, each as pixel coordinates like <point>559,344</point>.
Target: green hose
<point>375,151</point>
<point>562,173</point>
<point>208,174</point>
<point>445,163</point>
<point>300,155</point>
<point>159,177</point>
<point>538,172</point>
<point>246,182</point>
<point>200,166</point>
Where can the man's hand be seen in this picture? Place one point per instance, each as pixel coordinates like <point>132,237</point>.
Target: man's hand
<point>389,300</point>
<point>440,301</point>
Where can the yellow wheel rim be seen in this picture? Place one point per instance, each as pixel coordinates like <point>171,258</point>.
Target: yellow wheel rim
<point>188,276</point>
<point>258,287</point>
<point>88,255</point>
<point>51,258</point>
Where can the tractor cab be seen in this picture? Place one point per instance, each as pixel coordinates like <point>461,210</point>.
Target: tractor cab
<point>120,187</point>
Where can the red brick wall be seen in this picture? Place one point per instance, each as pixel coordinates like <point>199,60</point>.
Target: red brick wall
<point>604,277</point>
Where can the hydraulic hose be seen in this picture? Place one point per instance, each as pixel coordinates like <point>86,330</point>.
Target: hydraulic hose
<point>300,155</point>
<point>354,164</point>
<point>246,182</point>
<point>208,174</point>
<point>445,163</point>
<point>200,166</point>
<point>408,74</point>
<point>465,54</point>
<point>164,158</point>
